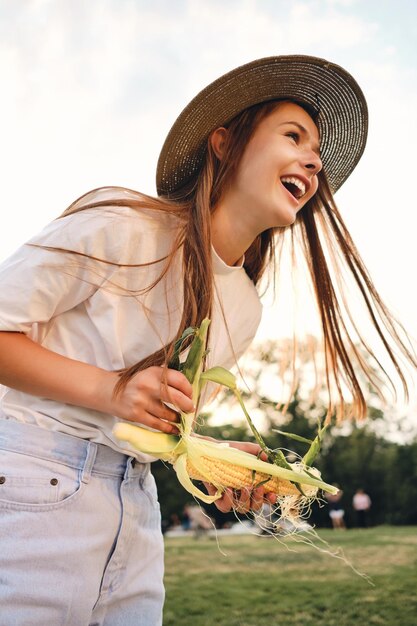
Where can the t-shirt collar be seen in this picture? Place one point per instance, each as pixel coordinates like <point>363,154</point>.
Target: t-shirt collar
<point>220,267</point>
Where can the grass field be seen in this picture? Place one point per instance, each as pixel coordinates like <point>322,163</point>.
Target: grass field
<point>260,582</point>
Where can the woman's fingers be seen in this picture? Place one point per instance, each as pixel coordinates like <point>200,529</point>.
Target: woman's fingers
<point>178,381</point>
<point>242,500</point>
<point>257,498</point>
<point>147,419</point>
<point>144,399</point>
<point>176,398</point>
<point>160,410</point>
<point>271,497</point>
<point>159,424</point>
<point>176,390</point>
<point>225,503</point>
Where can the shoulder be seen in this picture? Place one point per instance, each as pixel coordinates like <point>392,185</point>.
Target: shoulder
<point>113,233</point>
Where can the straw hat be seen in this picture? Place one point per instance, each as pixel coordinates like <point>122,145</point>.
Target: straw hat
<point>327,88</point>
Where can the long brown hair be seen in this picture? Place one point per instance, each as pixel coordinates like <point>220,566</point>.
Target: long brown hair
<point>319,231</point>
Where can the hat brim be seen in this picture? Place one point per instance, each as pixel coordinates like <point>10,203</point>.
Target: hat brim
<point>327,88</point>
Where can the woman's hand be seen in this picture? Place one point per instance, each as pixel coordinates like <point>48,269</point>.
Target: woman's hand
<point>246,499</point>
<point>142,400</point>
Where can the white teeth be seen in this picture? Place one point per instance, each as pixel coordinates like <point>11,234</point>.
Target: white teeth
<point>295,181</point>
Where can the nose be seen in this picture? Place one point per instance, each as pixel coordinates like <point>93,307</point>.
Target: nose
<point>312,162</point>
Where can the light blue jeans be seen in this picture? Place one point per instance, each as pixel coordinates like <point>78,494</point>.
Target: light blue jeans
<point>80,534</point>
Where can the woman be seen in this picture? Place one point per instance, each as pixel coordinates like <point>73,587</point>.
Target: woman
<point>91,308</point>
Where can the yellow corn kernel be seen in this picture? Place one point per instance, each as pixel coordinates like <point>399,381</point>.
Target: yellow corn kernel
<point>221,473</point>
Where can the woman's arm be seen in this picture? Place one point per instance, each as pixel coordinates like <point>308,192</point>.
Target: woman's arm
<point>28,367</point>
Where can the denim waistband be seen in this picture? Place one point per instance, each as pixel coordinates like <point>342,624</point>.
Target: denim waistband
<point>72,451</point>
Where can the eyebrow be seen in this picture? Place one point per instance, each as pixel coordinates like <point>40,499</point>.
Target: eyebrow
<point>316,147</point>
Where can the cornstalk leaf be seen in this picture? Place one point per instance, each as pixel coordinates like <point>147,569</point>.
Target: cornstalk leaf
<point>220,376</point>
<point>278,457</point>
<point>175,362</point>
<point>253,428</point>
<point>293,436</point>
<point>194,361</point>
<point>262,482</point>
<point>315,447</point>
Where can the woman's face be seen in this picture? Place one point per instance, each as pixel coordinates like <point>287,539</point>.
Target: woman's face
<point>277,174</point>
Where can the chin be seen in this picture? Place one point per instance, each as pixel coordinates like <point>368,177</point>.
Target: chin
<point>286,220</point>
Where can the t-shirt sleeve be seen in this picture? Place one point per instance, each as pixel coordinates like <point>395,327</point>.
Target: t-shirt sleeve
<point>42,279</point>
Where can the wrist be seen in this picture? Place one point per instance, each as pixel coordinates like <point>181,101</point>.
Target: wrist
<point>102,392</point>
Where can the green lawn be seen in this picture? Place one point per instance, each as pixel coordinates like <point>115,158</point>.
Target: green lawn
<point>260,582</point>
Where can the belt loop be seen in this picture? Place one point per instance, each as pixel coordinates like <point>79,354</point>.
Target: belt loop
<point>90,457</point>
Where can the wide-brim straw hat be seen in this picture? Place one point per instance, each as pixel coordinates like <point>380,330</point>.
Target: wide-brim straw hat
<point>328,89</point>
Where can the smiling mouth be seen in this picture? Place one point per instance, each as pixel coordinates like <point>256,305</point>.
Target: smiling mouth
<point>294,186</point>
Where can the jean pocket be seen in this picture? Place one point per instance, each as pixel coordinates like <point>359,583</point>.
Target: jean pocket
<point>30,480</point>
<point>151,491</point>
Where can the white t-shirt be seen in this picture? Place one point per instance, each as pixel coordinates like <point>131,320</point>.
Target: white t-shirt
<point>97,312</point>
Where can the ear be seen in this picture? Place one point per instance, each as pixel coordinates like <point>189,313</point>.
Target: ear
<point>218,141</point>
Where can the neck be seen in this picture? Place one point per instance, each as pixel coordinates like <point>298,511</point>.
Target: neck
<point>231,236</point>
<point>229,245</point>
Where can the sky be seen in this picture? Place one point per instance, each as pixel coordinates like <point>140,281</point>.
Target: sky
<point>90,90</point>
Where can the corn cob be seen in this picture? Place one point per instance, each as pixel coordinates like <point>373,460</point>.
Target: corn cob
<point>223,466</point>
<point>237,477</point>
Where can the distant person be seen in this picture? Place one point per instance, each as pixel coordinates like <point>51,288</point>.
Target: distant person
<point>174,520</point>
<point>362,504</point>
<point>336,511</point>
<point>200,522</point>
<point>185,519</point>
